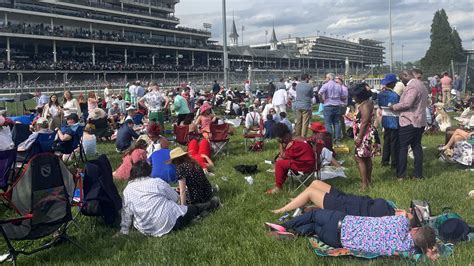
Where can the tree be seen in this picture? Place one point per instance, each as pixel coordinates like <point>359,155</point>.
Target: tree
<point>441,50</point>
<point>457,45</point>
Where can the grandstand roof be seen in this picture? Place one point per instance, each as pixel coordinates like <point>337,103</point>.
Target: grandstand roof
<point>252,52</point>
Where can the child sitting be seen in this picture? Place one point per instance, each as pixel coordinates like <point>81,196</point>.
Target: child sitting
<point>268,126</point>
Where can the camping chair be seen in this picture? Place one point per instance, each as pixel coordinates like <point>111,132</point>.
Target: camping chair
<point>76,144</point>
<point>102,128</point>
<point>7,166</point>
<point>219,137</point>
<point>302,178</point>
<point>100,195</point>
<point>20,132</point>
<point>253,136</point>
<point>182,135</point>
<point>42,198</point>
<point>44,143</point>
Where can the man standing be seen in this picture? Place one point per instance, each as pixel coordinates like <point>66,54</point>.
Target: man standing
<point>280,98</point>
<point>446,88</point>
<point>133,93</point>
<point>304,93</point>
<point>41,99</point>
<point>155,101</point>
<point>332,96</point>
<point>389,121</point>
<point>412,121</point>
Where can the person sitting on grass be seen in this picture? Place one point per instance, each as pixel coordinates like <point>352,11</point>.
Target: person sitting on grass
<point>150,205</point>
<point>284,120</point>
<point>133,154</point>
<point>252,120</point>
<point>458,135</point>
<point>325,196</point>
<point>125,135</point>
<point>388,235</point>
<point>193,184</point>
<point>89,140</point>
<point>156,140</point>
<point>295,154</point>
<point>268,126</point>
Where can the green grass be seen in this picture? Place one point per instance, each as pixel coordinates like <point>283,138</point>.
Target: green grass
<point>235,235</point>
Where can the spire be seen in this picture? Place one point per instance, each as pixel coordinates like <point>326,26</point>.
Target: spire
<point>273,40</point>
<point>234,36</point>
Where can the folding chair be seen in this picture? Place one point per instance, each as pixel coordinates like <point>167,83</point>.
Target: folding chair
<point>20,132</point>
<point>254,136</point>
<point>302,178</point>
<point>219,137</point>
<point>102,128</point>
<point>44,143</point>
<point>7,166</point>
<point>42,198</point>
<point>182,135</point>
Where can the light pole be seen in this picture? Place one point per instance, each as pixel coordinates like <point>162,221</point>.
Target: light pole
<point>390,33</point>
<point>266,34</point>
<point>243,28</point>
<point>224,41</point>
<point>403,64</point>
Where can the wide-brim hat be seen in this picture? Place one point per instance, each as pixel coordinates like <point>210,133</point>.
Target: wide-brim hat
<point>454,230</point>
<point>317,127</point>
<point>176,153</point>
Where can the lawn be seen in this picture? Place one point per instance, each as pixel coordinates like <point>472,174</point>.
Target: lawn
<point>235,235</point>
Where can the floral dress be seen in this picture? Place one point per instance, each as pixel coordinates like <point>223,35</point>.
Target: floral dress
<point>370,145</point>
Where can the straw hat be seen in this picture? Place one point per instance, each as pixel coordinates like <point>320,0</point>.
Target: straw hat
<point>176,153</point>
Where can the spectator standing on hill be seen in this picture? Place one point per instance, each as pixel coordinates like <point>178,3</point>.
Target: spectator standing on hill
<point>302,103</point>
<point>332,97</point>
<point>457,85</point>
<point>280,98</point>
<point>389,121</point>
<point>412,121</point>
<point>446,88</point>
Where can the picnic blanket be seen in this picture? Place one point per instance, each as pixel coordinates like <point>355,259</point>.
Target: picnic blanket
<point>322,249</point>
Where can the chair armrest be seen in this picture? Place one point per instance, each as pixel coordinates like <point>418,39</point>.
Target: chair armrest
<point>17,219</point>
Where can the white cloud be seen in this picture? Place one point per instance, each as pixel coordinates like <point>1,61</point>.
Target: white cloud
<point>411,19</point>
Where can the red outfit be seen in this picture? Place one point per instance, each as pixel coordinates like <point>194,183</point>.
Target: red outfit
<point>196,151</point>
<point>298,156</point>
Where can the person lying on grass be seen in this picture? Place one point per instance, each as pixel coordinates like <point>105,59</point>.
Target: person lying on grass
<point>388,235</point>
<point>295,154</point>
<point>151,205</point>
<point>327,197</point>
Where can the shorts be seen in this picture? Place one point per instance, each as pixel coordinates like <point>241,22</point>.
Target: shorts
<point>158,117</point>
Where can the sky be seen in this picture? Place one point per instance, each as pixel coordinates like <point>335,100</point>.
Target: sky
<point>411,20</point>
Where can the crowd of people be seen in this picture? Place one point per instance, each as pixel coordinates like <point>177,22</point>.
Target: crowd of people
<point>137,115</point>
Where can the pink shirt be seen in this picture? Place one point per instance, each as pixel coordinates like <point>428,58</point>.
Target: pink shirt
<point>412,105</point>
<point>446,81</point>
<point>123,172</point>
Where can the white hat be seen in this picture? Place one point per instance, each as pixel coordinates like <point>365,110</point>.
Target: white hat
<point>131,107</point>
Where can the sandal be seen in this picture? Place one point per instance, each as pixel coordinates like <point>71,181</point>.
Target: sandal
<point>281,235</point>
<point>276,227</point>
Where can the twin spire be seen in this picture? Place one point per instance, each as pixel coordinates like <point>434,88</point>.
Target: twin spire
<point>234,37</point>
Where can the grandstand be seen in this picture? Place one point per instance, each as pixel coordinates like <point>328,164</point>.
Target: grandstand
<point>65,41</point>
